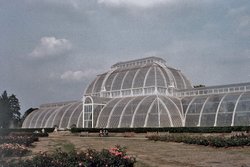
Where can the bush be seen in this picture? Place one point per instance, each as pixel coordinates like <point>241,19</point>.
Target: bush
<point>34,134</point>
<point>5,132</point>
<point>7,150</point>
<point>21,140</point>
<point>114,157</point>
<point>40,134</point>
<point>214,141</point>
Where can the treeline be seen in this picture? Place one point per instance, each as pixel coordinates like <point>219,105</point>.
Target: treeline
<point>10,115</point>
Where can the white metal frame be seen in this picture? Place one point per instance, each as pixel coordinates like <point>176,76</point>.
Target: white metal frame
<point>218,109</point>
<point>111,112</point>
<point>136,109</point>
<point>235,107</point>
<point>201,112</point>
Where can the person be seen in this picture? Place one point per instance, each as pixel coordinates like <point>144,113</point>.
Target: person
<point>55,130</point>
<point>106,132</point>
<point>43,131</point>
<point>36,131</point>
<point>100,133</point>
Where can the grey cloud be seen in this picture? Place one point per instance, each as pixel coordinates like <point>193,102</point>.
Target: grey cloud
<point>138,3</point>
<point>50,46</point>
<point>202,38</point>
<point>79,75</point>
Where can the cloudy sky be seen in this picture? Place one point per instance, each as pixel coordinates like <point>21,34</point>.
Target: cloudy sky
<point>51,49</point>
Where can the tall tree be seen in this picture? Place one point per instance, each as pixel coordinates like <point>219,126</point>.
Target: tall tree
<point>26,113</point>
<point>15,108</point>
<point>9,110</point>
<point>5,114</point>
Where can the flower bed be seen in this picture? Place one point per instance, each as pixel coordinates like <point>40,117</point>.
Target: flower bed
<point>114,157</point>
<point>9,150</point>
<point>215,141</point>
<point>22,140</point>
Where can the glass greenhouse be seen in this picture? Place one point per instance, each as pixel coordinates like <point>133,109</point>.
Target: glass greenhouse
<point>147,93</point>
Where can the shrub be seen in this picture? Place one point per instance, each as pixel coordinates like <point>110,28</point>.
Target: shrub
<point>5,132</point>
<point>7,150</point>
<point>116,156</point>
<point>40,134</point>
<point>21,140</point>
<point>214,141</point>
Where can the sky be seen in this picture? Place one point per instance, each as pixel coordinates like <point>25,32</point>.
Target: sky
<point>50,50</point>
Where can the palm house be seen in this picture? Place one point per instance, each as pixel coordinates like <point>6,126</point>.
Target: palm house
<point>147,93</point>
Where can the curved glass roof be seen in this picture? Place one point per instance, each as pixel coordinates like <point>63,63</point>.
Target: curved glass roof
<point>63,116</point>
<point>140,111</point>
<point>230,109</point>
<point>137,74</point>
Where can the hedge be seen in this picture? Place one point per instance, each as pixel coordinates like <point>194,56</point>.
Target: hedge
<point>226,129</point>
<point>22,140</point>
<point>5,132</point>
<point>168,129</point>
<point>237,140</point>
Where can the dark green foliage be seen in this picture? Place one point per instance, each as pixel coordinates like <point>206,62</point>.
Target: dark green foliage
<point>39,134</point>
<point>16,144</point>
<point>9,111</point>
<point>5,113</point>
<point>5,132</point>
<point>199,86</point>
<point>14,107</point>
<point>228,129</point>
<point>26,113</point>
<point>10,150</point>
<point>22,140</point>
<point>33,134</point>
<point>90,158</point>
<point>214,141</point>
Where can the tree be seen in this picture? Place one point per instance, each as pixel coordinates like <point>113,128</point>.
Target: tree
<point>26,113</point>
<point>5,114</point>
<point>15,108</point>
<point>9,110</point>
<point>199,86</point>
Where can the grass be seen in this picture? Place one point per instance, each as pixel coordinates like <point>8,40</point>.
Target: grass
<point>152,154</point>
<point>67,147</point>
<point>64,145</point>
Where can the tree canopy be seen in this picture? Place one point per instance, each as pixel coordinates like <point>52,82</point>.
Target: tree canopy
<point>9,110</point>
<point>199,86</point>
<point>26,113</point>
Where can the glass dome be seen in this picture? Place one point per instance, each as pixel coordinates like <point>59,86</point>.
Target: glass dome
<point>147,93</point>
<point>138,77</point>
